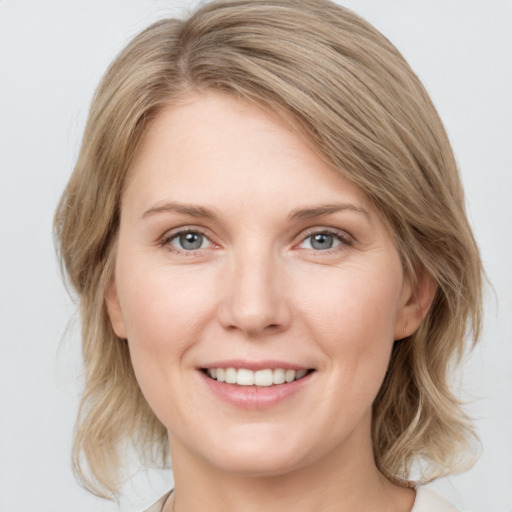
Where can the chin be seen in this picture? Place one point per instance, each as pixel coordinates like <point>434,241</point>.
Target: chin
<point>263,455</point>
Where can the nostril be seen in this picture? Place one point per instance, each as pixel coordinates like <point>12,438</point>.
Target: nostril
<point>253,313</point>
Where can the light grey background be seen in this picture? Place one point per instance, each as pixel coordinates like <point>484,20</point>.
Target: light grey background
<point>52,56</point>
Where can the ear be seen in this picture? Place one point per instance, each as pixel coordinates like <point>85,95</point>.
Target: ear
<point>416,300</point>
<point>114,311</point>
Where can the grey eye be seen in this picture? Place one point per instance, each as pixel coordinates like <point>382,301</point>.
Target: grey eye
<point>322,241</point>
<point>189,241</point>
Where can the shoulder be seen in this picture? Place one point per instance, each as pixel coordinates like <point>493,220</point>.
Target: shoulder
<point>426,501</point>
<point>159,505</point>
<point>429,501</point>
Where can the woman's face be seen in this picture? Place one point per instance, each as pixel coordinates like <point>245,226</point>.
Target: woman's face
<point>241,254</point>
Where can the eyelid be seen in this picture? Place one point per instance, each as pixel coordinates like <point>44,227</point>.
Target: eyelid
<point>168,236</point>
<point>345,238</point>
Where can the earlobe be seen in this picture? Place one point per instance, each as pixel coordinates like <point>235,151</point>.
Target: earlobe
<point>416,301</point>
<point>114,311</point>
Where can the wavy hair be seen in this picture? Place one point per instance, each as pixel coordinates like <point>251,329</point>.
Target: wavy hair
<point>366,113</point>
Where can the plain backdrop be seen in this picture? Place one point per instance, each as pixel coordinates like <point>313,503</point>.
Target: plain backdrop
<point>53,54</point>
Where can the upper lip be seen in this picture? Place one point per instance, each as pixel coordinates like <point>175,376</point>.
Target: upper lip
<point>254,365</point>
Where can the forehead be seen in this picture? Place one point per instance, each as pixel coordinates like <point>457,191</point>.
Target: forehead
<point>211,145</point>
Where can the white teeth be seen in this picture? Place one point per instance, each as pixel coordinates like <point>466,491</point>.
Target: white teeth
<point>263,378</point>
<point>278,376</point>
<point>289,375</point>
<point>245,377</point>
<point>300,374</point>
<point>230,376</point>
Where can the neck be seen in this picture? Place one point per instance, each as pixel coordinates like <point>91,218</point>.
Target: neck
<point>346,479</point>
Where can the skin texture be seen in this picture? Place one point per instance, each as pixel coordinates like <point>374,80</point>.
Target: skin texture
<point>256,290</point>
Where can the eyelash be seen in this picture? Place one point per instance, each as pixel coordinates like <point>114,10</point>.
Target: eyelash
<point>344,239</point>
<point>167,239</point>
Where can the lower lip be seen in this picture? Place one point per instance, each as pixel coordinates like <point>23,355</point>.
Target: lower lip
<point>255,397</point>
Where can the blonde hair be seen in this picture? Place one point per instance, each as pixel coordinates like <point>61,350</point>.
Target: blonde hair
<point>367,114</point>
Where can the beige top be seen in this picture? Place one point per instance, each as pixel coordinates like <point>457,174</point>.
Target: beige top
<point>159,505</point>
<point>426,501</point>
<point>429,501</point>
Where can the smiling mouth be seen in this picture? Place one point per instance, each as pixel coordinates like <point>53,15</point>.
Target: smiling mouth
<point>262,378</point>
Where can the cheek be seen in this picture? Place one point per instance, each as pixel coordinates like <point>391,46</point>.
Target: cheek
<point>161,308</point>
<point>355,304</point>
<point>163,313</point>
<point>352,315</point>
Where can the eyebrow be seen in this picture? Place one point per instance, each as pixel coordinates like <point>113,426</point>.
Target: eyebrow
<point>326,209</point>
<point>199,212</point>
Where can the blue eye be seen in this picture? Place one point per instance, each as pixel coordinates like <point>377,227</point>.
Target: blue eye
<point>189,241</point>
<point>321,241</point>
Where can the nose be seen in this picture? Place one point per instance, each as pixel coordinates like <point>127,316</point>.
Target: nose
<point>254,295</point>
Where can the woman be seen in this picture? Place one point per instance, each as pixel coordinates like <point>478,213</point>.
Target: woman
<point>266,230</point>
